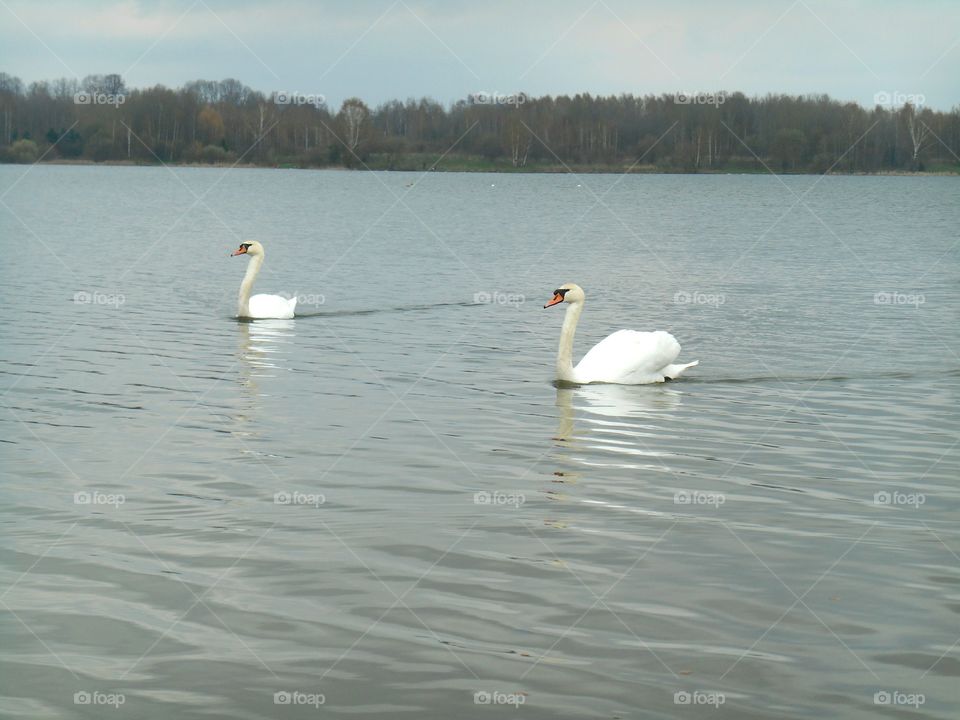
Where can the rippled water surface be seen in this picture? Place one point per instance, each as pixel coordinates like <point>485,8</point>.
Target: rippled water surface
<point>386,505</point>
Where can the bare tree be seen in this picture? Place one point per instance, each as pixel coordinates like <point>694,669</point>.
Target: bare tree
<point>113,84</point>
<point>352,116</point>
<point>65,88</point>
<point>520,140</point>
<point>225,119</point>
<point>918,130</point>
<point>11,84</point>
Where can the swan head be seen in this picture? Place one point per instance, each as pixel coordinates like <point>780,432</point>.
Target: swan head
<point>570,292</point>
<point>248,248</point>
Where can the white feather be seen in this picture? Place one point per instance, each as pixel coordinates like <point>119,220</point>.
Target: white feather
<point>260,307</point>
<point>627,357</point>
<point>632,357</point>
<point>272,306</point>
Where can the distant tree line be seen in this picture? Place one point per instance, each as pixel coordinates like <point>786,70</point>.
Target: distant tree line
<point>100,119</point>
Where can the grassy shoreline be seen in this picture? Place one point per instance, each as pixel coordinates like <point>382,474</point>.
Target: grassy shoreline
<point>480,166</point>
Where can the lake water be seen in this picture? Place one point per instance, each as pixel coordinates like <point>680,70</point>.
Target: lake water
<point>384,507</point>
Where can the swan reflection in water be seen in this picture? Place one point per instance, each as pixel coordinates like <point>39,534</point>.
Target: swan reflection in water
<point>262,350</point>
<point>605,430</point>
<point>263,347</point>
<point>597,420</point>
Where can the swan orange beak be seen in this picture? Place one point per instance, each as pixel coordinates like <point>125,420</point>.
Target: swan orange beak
<point>239,251</point>
<point>557,298</point>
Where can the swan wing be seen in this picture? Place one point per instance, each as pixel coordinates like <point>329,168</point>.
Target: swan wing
<point>631,357</point>
<point>272,306</point>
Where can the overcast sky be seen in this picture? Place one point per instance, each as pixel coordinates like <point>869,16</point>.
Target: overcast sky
<point>446,49</point>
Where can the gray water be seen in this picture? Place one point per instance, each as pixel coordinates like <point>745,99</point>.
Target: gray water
<point>384,507</point>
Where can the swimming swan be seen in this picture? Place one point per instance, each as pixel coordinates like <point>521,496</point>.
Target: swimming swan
<point>259,306</point>
<point>626,357</point>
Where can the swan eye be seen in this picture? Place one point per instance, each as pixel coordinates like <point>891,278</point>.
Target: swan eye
<point>561,291</point>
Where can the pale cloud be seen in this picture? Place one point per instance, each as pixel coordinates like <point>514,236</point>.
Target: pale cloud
<point>447,49</point>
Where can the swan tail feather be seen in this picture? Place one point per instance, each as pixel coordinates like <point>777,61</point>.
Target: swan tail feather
<point>674,371</point>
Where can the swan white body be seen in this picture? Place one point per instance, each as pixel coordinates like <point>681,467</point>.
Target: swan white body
<point>626,357</point>
<point>270,306</point>
<point>262,306</point>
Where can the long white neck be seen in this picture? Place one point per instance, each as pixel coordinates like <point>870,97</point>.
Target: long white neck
<point>565,352</point>
<point>243,300</point>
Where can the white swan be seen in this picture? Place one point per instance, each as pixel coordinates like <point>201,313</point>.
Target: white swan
<point>627,357</point>
<point>259,306</point>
